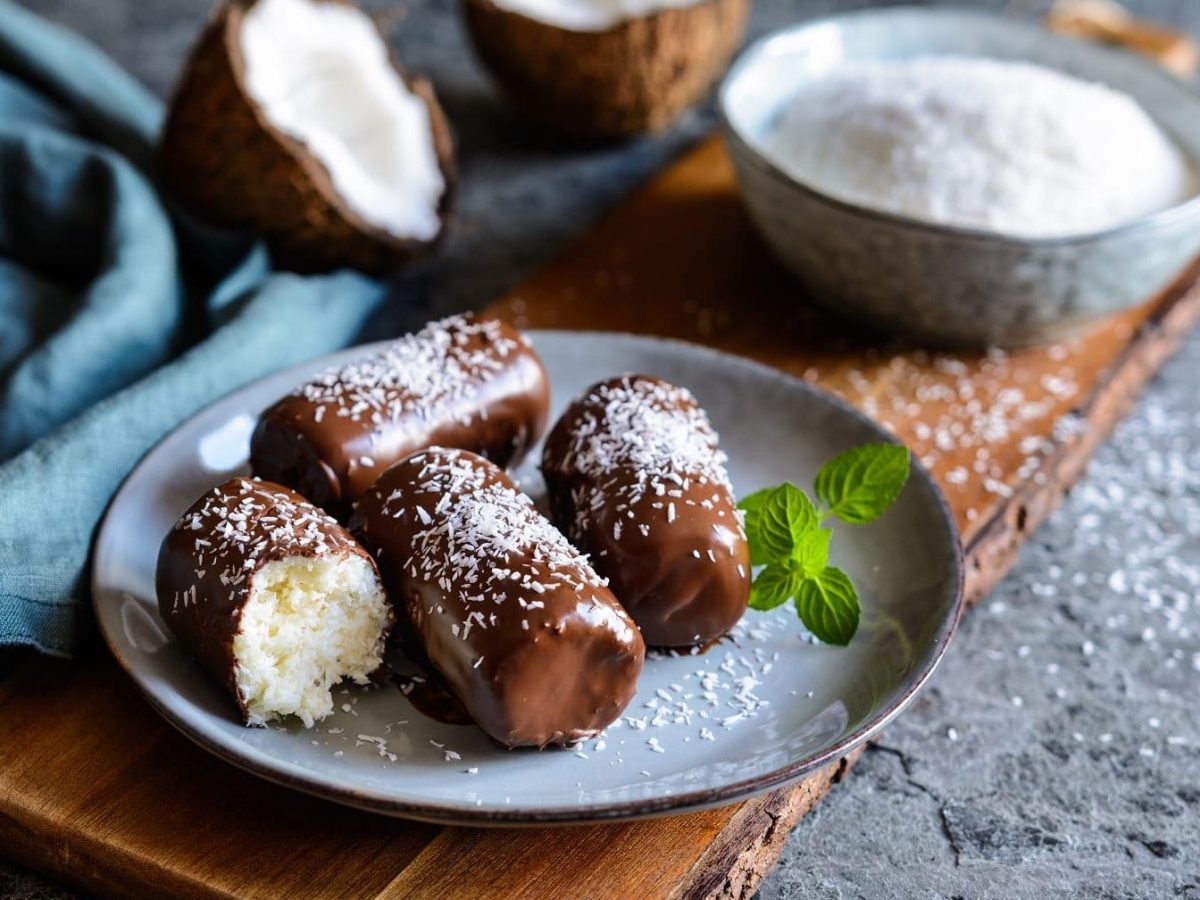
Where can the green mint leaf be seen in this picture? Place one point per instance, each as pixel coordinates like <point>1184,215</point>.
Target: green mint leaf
<point>754,502</point>
<point>828,606</point>
<point>775,517</point>
<point>773,586</point>
<point>811,552</point>
<point>858,485</point>
<point>785,515</point>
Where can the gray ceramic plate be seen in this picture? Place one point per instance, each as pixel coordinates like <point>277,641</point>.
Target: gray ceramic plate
<point>750,714</point>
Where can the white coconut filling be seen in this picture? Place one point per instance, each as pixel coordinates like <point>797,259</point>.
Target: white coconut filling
<point>589,15</point>
<point>308,623</point>
<point>321,74</point>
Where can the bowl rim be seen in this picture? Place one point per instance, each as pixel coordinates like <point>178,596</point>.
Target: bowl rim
<point>741,145</point>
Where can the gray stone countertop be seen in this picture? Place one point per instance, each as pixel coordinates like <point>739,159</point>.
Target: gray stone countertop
<point>1056,753</point>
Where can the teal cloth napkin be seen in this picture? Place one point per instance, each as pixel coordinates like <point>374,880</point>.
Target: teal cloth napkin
<point>119,318</point>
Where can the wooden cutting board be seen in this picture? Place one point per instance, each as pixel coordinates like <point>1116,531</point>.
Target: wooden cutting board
<point>96,789</point>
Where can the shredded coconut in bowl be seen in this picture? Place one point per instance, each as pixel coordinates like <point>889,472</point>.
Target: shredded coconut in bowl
<point>1008,147</point>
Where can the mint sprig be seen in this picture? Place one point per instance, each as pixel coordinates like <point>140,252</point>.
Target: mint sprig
<point>791,548</point>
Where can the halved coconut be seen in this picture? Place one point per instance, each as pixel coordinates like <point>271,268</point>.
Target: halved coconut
<point>605,68</point>
<point>292,120</point>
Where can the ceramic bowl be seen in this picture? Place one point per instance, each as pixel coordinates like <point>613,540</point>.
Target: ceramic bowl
<point>944,284</point>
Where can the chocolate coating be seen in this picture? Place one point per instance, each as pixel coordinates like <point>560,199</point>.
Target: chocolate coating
<point>466,382</point>
<point>514,620</point>
<point>208,560</point>
<point>636,481</point>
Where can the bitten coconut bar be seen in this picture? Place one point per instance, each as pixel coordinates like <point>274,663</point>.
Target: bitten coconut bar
<point>274,598</point>
<point>522,630</point>
<point>636,480</point>
<point>466,382</point>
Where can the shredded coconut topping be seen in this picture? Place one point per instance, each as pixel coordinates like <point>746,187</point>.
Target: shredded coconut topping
<point>486,540</point>
<point>658,432</point>
<point>416,377</point>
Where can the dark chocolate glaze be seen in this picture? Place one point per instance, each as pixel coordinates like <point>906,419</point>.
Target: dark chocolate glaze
<point>512,618</point>
<point>636,481</point>
<point>467,382</point>
<point>429,696</point>
<point>208,561</point>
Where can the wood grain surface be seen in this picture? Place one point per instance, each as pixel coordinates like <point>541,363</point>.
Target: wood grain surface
<point>95,789</point>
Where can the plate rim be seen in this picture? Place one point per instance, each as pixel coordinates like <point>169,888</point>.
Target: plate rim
<point>626,810</point>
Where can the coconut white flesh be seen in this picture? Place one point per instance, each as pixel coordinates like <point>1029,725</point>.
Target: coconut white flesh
<point>321,74</point>
<point>308,623</point>
<point>589,15</point>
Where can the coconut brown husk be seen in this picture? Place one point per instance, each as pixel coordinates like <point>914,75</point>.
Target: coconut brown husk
<point>224,161</point>
<point>637,76</point>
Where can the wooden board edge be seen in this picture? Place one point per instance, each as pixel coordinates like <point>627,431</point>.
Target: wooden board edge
<point>734,865</point>
<point>993,549</point>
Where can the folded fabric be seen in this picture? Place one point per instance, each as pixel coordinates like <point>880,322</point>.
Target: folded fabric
<point>119,317</point>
